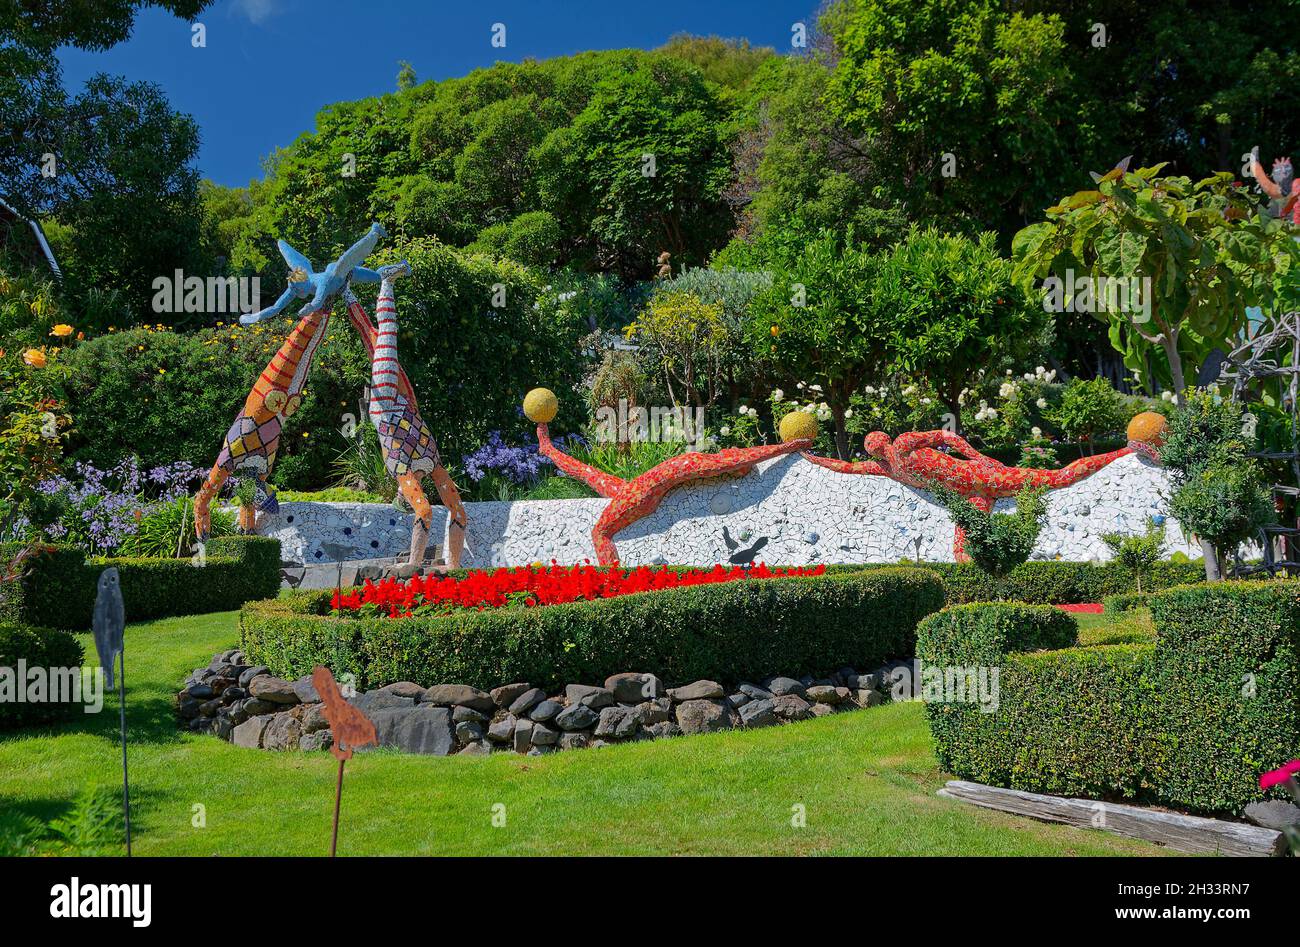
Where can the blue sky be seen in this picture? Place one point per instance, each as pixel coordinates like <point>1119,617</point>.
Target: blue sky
<point>269,65</point>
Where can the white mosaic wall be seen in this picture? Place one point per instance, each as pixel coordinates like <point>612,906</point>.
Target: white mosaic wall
<point>788,511</point>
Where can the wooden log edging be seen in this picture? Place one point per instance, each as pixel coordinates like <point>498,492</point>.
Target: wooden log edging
<point>1183,833</point>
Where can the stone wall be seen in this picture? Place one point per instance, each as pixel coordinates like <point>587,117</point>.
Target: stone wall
<point>787,511</point>
<point>250,707</point>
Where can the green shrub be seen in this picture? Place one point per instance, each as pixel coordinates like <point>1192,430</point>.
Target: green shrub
<point>1189,722</point>
<point>982,632</point>
<point>1228,671</point>
<point>727,632</point>
<point>997,542</point>
<point>57,586</point>
<point>1126,602</point>
<point>38,647</point>
<point>1051,582</point>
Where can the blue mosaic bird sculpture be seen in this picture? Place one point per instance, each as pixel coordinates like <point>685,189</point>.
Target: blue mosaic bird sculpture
<point>323,287</point>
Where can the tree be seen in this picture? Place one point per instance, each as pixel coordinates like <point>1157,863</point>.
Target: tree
<point>1089,409</point>
<point>952,310</point>
<point>1137,554</point>
<point>641,169</point>
<point>1169,265</point>
<point>1219,493</point>
<point>819,322</point>
<point>686,335</point>
<point>130,206</point>
<point>32,99</point>
<point>960,111</point>
<point>734,290</point>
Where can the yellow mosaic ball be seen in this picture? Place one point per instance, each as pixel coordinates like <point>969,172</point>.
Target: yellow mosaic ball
<point>1148,428</point>
<point>540,405</point>
<point>798,425</point>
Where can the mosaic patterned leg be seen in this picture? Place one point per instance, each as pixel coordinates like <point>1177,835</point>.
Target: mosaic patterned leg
<point>458,520</point>
<point>203,500</point>
<point>409,484</point>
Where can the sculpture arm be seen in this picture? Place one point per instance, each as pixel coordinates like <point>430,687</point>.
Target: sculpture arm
<point>846,466</point>
<point>607,485</point>
<point>383,362</point>
<point>1266,184</point>
<point>274,309</point>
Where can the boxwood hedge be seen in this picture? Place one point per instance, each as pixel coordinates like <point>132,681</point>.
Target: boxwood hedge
<point>56,587</point>
<point>727,632</point>
<point>1189,722</point>
<point>1054,582</point>
<point>39,647</point>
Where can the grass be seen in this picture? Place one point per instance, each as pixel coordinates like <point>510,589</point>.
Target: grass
<point>865,780</point>
<point>1132,627</point>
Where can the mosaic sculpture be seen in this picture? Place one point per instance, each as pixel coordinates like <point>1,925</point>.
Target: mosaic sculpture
<point>410,452</point>
<point>254,438</point>
<point>630,500</point>
<point>922,458</point>
<point>1281,187</point>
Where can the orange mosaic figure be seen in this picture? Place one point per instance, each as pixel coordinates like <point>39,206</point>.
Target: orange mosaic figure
<point>251,443</point>
<point>922,458</point>
<point>631,500</point>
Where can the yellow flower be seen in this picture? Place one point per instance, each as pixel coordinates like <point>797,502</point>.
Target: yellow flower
<point>776,330</point>
<point>34,358</point>
<point>162,371</point>
<point>61,330</point>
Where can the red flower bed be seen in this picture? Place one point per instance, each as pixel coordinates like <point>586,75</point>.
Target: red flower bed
<point>533,586</point>
<point>1087,608</point>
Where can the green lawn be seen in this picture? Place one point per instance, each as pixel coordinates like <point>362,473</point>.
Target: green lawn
<point>866,781</point>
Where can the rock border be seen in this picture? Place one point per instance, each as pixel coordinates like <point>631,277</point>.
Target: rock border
<point>249,706</point>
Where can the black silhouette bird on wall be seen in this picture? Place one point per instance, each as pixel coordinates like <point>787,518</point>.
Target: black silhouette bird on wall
<point>741,557</point>
<point>109,620</point>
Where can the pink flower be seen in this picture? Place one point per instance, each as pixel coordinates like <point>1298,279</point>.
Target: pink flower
<point>1279,776</point>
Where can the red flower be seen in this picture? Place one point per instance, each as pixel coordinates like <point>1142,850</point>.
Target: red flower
<point>531,586</point>
<point>1086,608</point>
<point>1278,776</point>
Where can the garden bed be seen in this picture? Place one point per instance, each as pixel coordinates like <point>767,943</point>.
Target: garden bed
<point>726,632</point>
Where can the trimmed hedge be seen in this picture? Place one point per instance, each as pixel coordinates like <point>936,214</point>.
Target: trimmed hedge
<point>1227,666</point>
<point>1052,582</point>
<point>39,647</point>
<point>1126,602</point>
<point>1189,722</point>
<point>57,586</point>
<point>728,632</point>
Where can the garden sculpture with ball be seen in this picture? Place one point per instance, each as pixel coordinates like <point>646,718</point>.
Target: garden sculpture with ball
<point>631,500</point>
<point>410,452</point>
<point>923,458</point>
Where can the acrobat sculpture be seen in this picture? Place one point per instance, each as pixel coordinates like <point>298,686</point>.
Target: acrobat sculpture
<point>1282,187</point>
<point>630,500</point>
<point>254,438</point>
<point>410,451</point>
<point>921,459</point>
